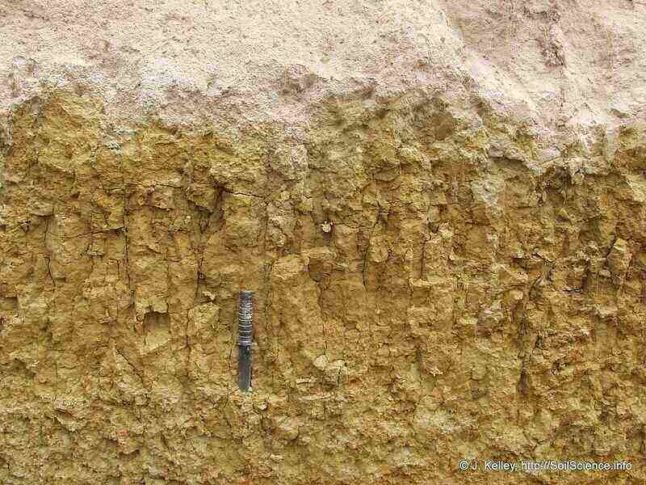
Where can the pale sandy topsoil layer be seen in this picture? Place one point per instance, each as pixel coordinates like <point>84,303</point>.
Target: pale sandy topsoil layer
<point>556,62</point>
<point>440,207</point>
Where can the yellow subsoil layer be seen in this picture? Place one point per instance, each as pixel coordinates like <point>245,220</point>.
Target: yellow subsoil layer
<point>428,289</point>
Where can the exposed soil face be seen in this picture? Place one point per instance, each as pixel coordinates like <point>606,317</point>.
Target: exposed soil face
<point>438,204</point>
<point>432,284</point>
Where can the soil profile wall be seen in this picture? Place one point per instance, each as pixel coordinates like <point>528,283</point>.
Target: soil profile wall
<point>429,287</point>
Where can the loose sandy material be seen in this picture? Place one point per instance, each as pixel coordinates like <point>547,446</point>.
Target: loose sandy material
<point>559,62</point>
